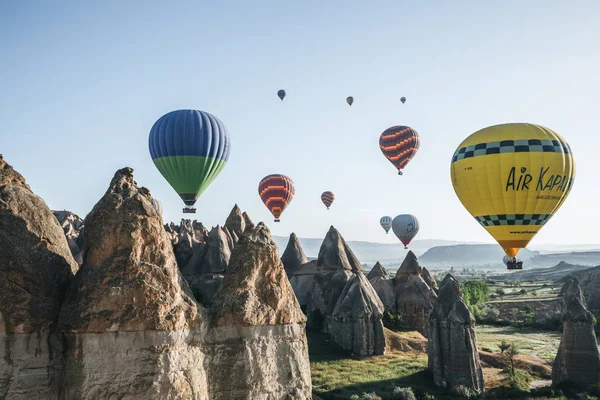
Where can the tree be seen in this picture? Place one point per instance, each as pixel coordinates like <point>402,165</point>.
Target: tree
<point>504,345</point>
<point>500,292</point>
<point>511,353</point>
<point>475,292</point>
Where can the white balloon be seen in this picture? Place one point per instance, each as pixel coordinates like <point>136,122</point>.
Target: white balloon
<point>406,227</point>
<point>157,206</point>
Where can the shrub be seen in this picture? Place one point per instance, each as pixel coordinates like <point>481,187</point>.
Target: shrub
<point>370,396</point>
<point>403,393</point>
<point>519,380</point>
<point>504,345</point>
<point>354,397</point>
<point>421,394</point>
<point>487,349</point>
<point>392,320</point>
<point>465,392</point>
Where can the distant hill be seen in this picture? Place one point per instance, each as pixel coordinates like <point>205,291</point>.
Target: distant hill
<point>445,253</point>
<point>585,258</point>
<point>580,274</point>
<point>369,252</point>
<point>468,255</point>
<point>556,273</point>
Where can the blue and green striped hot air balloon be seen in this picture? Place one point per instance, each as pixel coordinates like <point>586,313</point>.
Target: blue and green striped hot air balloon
<point>189,148</point>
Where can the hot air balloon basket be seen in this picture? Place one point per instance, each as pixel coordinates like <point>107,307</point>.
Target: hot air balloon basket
<point>514,265</point>
<point>189,210</point>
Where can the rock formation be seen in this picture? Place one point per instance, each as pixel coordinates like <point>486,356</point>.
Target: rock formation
<point>577,360</point>
<point>72,226</point>
<point>129,306</point>
<point>383,285</point>
<point>36,267</point>
<point>248,222</point>
<point>335,254</point>
<point>235,221</point>
<point>335,267</point>
<point>299,271</point>
<point>256,344</point>
<point>414,297</point>
<point>218,251</point>
<point>293,256</point>
<point>453,356</point>
<point>428,278</point>
<point>590,286</point>
<point>356,323</point>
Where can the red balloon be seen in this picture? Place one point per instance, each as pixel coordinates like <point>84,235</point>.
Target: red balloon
<point>327,198</point>
<point>276,191</point>
<point>399,144</point>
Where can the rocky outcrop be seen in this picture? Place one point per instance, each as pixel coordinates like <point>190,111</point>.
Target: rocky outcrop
<point>218,251</point>
<point>590,286</point>
<point>293,257</point>
<point>577,359</point>
<point>235,222</point>
<point>128,306</point>
<point>356,323</point>
<point>299,271</point>
<point>383,285</point>
<point>72,226</point>
<point>247,221</point>
<point>256,344</point>
<point>414,297</point>
<point>36,267</point>
<point>335,266</point>
<point>428,278</point>
<point>453,357</point>
<point>335,254</point>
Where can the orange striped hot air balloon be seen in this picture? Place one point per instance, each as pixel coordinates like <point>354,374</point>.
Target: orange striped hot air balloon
<point>399,144</point>
<point>327,198</point>
<point>276,191</point>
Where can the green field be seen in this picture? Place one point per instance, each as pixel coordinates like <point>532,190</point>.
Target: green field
<point>532,342</point>
<point>336,376</point>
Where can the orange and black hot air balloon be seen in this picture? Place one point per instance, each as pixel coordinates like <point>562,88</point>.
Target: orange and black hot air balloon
<point>399,144</point>
<point>327,198</point>
<point>276,191</point>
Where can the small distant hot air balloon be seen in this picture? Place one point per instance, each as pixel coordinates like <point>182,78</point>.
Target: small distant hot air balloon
<point>512,178</point>
<point>327,198</point>
<point>386,223</point>
<point>281,94</point>
<point>157,206</point>
<point>405,227</point>
<point>505,260</point>
<point>403,99</point>
<point>399,144</point>
<point>189,148</point>
<point>276,191</point>
<point>349,100</point>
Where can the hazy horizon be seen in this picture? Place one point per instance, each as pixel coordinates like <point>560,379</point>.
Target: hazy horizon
<point>84,83</point>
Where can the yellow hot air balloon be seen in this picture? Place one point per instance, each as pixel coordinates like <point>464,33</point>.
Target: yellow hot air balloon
<point>512,178</point>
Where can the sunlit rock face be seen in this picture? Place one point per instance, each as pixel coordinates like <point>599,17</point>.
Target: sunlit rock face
<point>129,306</point>
<point>36,267</point>
<point>256,345</point>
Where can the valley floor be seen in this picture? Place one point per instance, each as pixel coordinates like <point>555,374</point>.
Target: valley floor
<point>336,376</point>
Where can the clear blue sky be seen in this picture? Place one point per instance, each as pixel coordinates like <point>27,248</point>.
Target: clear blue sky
<point>82,83</point>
